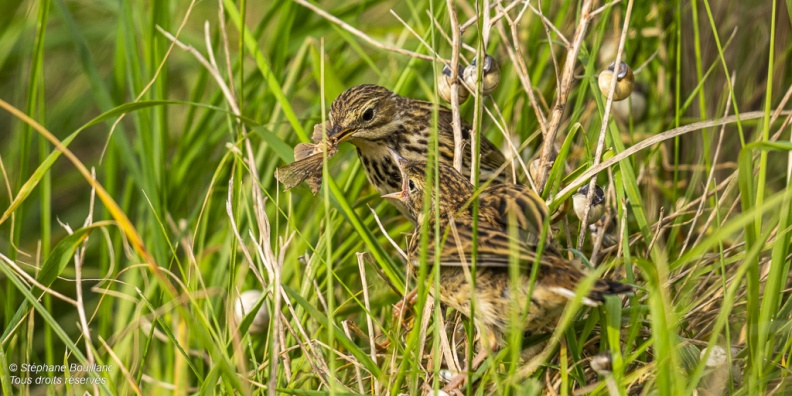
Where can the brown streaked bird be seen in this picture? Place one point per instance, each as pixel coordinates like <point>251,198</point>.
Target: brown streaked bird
<point>556,280</point>
<point>500,205</point>
<point>375,120</point>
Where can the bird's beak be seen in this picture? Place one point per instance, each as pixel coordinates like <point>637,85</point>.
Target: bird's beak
<point>399,195</point>
<point>338,134</point>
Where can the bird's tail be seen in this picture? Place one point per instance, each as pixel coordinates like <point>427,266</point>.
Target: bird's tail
<point>619,288</point>
<point>605,287</point>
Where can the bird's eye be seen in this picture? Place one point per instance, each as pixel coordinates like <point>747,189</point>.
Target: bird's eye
<point>368,115</point>
<point>411,184</point>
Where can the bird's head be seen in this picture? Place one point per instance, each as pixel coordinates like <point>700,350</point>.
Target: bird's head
<point>366,112</point>
<point>453,189</point>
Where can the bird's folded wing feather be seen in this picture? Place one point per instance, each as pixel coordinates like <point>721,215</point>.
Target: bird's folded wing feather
<point>491,157</point>
<point>507,204</point>
<point>496,249</point>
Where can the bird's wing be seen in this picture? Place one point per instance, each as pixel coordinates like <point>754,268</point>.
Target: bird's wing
<point>491,157</point>
<point>511,204</point>
<point>496,249</point>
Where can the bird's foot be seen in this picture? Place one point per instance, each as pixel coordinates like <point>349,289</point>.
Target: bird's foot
<point>459,380</point>
<point>400,308</point>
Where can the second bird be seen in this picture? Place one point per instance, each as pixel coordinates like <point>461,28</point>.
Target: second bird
<point>496,248</point>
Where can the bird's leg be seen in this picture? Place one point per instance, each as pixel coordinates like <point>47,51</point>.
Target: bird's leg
<point>409,299</point>
<point>485,349</point>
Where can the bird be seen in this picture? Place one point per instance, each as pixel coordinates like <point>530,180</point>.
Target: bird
<point>374,120</point>
<point>496,248</point>
<point>499,205</point>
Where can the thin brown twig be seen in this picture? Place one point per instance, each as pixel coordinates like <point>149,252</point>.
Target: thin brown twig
<point>547,23</point>
<point>503,12</point>
<point>657,233</point>
<point>415,34</point>
<point>440,29</point>
<point>34,282</point>
<point>522,71</point>
<point>79,256</point>
<point>646,62</point>
<point>603,128</point>
<point>326,15</point>
<point>387,236</point>
<point>564,88</point>
<point>515,152</point>
<point>604,7</point>
<point>456,120</point>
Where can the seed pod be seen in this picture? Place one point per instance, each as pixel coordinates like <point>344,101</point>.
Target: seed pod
<point>245,304</point>
<point>444,85</point>
<point>533,169</point>
<point>597,203</point>
<point>635,106</point>
<point>624,81</point>
<point>602,363</point>
<point>490,73</point>
<point>607,50</point>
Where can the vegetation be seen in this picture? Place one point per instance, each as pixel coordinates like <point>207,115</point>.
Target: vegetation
<point>137,158</point>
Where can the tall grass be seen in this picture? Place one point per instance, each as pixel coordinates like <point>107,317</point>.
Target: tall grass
<point>138,197</point>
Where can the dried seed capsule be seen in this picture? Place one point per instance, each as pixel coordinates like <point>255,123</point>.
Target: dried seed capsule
<point>444,85</point>
<point>597,203</point>
<point>624,81</point>
<point>490,73</point>
<point>634,107</point>
<point>245,303</point>
<point>602,363</point>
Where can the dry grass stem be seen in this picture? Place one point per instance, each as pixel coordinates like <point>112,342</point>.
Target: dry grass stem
<point>562,93</point>
<point>603,129</point>
<point>363,36</point>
